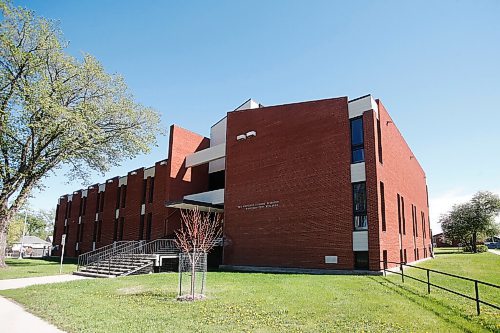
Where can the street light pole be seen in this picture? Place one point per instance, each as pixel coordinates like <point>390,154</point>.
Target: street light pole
<point>24,231</point>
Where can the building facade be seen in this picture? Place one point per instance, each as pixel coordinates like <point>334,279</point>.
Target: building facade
<point>327,184</point>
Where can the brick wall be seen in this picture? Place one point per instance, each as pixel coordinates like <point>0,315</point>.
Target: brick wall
<point>301,158</point>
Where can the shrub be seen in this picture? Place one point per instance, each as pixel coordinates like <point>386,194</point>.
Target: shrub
<point>480,248</point>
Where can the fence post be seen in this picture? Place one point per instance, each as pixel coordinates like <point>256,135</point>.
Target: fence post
<point>402,272</point>
<point>477,298</point>
<point>428,282</point>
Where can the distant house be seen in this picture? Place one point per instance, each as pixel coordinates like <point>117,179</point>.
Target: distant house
<point>32,247</point>
<point>439,240</point>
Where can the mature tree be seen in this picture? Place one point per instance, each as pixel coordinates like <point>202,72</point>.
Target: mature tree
<point>474,220</point>
<point>197,236</point>
<point>56,109</point>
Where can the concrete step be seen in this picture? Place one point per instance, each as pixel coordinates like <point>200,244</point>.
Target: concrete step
<point>95,275</point>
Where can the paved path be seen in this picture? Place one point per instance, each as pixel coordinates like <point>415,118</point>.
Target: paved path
<point>15,319</point>
<point>25,282</point>
<point>494,251</point>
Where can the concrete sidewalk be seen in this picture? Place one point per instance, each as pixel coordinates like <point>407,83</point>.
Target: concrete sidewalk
<point>25,282</point>
<point>15,319</point>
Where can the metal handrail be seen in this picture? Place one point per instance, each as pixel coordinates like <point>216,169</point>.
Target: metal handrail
<point>429,284</point>
<point>104,252</point>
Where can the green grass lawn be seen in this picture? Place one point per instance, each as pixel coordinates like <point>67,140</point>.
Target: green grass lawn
<point>22,268</point>
<point>250,302</point>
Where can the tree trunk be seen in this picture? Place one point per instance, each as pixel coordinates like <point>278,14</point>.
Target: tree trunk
<point>193,275</point>
<point>4,224</point>
<point>474,239</point>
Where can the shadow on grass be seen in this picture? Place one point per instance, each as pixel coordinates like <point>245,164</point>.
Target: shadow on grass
<point>151,295</point>
<point>428,304</point>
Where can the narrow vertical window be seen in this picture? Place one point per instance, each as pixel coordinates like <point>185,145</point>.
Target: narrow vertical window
<point>115,230</point>
<point>379,132</point>
<point>424,232</point>
<point>413,219</point>
<point>151,188</point>
<point>415,222</point>
<point>141,227</point>
<point>94,235</point>
<point>98,202</point>
<point>99,228</point>
<point>69,209</point>
<point>144,190</point>
<point>118,195</point>
<point>122,222</point>
<point>101,205</point>
<point>403,214</point>
<point>124,195</point>
<point>384,254</point>
<point>399,216</point>
<point>357,140</point>
<point>84,210</point>
<point>359,200</point>
<point>382,205</point>
<point>80,213</point>
<point>149,225</point>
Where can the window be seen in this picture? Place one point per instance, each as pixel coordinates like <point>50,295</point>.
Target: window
<point>144,185</point>
<point>399,216</point>
<point>151,188</point>
<point>120,234</point>
<point>415,220</point>
<point>403,214</point>
<point>70,205</point>
<point>150,222</point>
<point>359,200</point>
<point>84,209</point>
<point>382,205</point>
<point>406,259</point>
<point>357,140</point>
<point>101,205</point>
<point>98,202</point>
<point>418,256</point>
<point>379,132</point>
<point>385,258</point>
<point>422,216</point>
<point>115,231</point>
<point>118,194</point>
<point>124,195</point>
<point>99,228</point>
<point>141,227</point>
<point>361,260</point>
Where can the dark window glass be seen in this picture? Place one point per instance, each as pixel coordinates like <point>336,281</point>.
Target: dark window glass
<point>357,140</point>
<point>361,260</point>
<point>151,188</point>
<point>101,207</point>
<point>122,222</point>
<point>141,227</point>
<point>84,206</point>
<point>403,214</point>
<point>399,217</point>
<point>357,131</point>
<point>358,155</point>
<point>379,132</point>
<point>144,184</point>
<point>94,235</point>
<point>124,195</point>
<point>382,205</point>
<point>385,258</point>
<point>115,231</point>
<point>415,217</point>
<point>149,225</point>
<point>359,203</point>
<point>99,228</point>
<point>69,210</point>
<point>406,258</point>
<point>118,194</point>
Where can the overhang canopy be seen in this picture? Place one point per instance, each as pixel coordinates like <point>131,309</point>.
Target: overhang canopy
<point>191,204</point>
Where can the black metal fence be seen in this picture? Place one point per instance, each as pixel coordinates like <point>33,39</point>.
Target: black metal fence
<point>477,298</point>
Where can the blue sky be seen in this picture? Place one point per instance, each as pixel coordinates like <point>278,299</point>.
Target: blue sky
<point>434,64</point>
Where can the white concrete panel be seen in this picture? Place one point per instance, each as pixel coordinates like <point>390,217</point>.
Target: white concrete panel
<point>213,197</point>
<point>206,155</point>
<point>359,106</point>
<point>360,241</point>
<point>217,165</point>
<point>117,213</point>
<point>84,193</point>
<point>250,104</point>
<point>70,197</point>
<point>79,220</point>
<point>218,133</point>
<point>102,187</point>
<point>143,209</point>
<point>331,259</point>
<point>122,181</point>
<point>358,173</point>
<point>96,217</point>
<point>149,172</point>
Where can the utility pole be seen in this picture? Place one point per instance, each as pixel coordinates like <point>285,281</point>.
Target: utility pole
<point>24,232</point>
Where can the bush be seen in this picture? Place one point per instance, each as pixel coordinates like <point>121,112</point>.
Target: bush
<point>480,248</point>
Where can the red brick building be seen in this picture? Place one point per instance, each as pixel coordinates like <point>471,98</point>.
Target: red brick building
<point>327,184</point>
